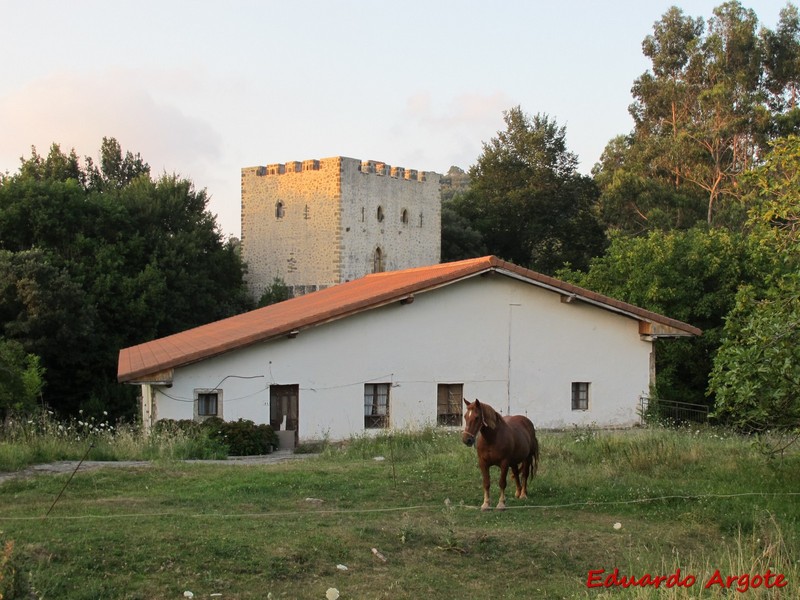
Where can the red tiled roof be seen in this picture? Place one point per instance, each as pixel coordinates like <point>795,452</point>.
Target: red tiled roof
<point>186,347</point>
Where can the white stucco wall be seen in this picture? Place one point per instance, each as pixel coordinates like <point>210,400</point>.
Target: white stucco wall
<point>511,344</point>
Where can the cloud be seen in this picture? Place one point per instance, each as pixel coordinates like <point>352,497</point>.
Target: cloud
<point>450,130</point>
<point>467,111</point>
<point>78,110</point>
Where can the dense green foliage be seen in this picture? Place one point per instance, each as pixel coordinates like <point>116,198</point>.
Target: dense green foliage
<point>93,259</point>
<point>689,275</point>
<point>645,501</point>
<point>757,370</point>
<point>21,378</point>
<point>716,94</point>
<point>526,200</point>
<point>275,292</point>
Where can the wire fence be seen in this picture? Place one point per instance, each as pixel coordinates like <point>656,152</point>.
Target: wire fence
<point>584,504</point>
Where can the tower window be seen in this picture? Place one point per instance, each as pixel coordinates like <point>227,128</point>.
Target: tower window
<point>404,217</point>
<point>280,211</point>
<point>377,261</point>
<point>380,214</point>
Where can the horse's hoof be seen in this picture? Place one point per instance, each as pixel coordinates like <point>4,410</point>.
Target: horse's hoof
<point>485,507</point>
<point>501,507</point>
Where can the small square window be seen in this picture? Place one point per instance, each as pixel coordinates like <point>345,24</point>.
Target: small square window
<point>448,404</point>
<point>580,395</point>
<point>207,403</point>
<point>376,405</point>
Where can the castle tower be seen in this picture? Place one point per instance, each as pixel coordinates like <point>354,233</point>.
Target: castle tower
<point>317,223</point>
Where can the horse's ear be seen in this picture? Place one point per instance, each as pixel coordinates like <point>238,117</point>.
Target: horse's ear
<point>465,402</point>
<point>489,416</point>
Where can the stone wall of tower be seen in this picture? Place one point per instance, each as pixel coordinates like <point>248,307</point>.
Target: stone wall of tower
<point>291,224</point>
<point>317,223</point>
<point>390,210</point>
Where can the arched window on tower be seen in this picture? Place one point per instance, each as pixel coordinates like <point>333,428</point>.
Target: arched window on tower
<point>404,216</point>
<point>280,211</point>
<point>377,260</point>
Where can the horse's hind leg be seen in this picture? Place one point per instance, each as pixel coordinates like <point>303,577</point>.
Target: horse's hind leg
<point>515,472</point>
<point>522,488</point>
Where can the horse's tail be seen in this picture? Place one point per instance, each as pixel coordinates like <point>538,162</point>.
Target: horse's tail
<point>535,454</point>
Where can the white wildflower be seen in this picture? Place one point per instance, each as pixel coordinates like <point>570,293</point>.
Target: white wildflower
<point>332,594</point>
<point>188,594</point>
<point>617,525</point>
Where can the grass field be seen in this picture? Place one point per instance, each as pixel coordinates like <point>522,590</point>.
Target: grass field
<point>645,502</point>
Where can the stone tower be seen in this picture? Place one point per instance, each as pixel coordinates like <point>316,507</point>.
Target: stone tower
<point>317,223</point>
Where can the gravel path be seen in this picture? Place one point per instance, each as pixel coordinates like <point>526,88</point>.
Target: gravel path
<point>68,466</point>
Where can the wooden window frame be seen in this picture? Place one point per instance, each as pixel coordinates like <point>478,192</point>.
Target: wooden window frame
<point>377,405</point>
<point>448,404</point>
<point>580,395</point>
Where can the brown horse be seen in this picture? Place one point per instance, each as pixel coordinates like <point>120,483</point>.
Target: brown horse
<point>504,442</point>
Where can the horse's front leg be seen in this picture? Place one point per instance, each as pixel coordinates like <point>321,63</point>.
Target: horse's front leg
<point>486,483</point>
<point>501,505</point>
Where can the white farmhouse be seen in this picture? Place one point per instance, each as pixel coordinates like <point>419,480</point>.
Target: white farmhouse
<point>400,349</point>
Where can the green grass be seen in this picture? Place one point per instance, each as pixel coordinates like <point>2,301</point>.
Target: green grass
<point>695,501</point>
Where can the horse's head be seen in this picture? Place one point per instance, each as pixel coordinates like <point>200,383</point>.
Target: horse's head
<point>478,415</point>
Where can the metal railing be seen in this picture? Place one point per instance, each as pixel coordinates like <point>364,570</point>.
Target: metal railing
<point>673,411</point>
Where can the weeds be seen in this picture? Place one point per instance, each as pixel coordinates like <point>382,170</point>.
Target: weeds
<point>41,438</point>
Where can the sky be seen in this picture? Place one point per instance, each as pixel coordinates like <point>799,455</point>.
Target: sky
<point>204,88</point>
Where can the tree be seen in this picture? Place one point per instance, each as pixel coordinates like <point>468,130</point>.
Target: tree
<point>460,240</point>
<point>21,378</point>
<point>527,200</point>
<point>702,114</point>
<point>773,198</point>
<point>95,259</point>
<point>115,171</point>
<point>276,292</point>
<point>688,275</point>
<point>782,60</point>
<point>756,372</point>
<point>757,369</point>
<point>635,200</point>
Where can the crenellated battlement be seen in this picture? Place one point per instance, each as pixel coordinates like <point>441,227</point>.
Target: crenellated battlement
<point>319,222</point>
<point>366,167</point>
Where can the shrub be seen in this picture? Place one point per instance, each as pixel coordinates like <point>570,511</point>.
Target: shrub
<point>243,437</point>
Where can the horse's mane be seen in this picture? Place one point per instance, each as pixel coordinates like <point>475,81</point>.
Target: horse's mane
<point>489,415</point>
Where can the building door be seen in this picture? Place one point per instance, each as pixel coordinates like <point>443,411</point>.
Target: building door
<point>284,408</point>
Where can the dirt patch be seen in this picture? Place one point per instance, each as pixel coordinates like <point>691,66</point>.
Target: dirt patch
<point>69,466</point>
